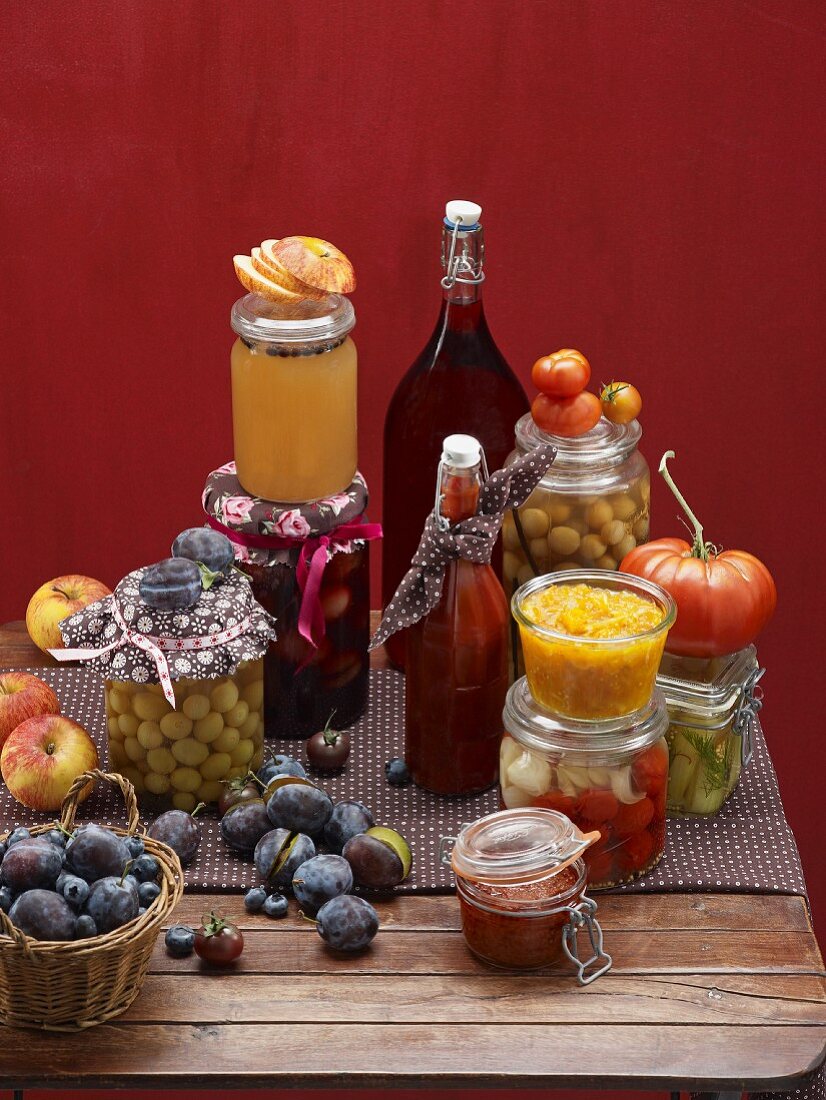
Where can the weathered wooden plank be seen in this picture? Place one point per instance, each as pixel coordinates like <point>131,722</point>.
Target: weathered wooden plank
<point>277,950</point>
<point>488,998</point>
<point>399,1055</point>
<point>686,912</point>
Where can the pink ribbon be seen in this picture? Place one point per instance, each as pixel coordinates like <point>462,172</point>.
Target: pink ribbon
<point>156,646</point>
<point>312,561</point>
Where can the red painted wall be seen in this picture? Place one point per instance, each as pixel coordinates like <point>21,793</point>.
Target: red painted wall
<point>651,174</point>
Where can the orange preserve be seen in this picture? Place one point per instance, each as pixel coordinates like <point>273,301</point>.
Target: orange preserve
<point>294,393</point>
<point>592,641</point>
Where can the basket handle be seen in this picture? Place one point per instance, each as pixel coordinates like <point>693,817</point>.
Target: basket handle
<point>13,932</point>
<point>69,807</point>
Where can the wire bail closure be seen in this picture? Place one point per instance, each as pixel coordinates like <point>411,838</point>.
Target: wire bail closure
<point>748,707</point>
<point>582,915</point>
<point>471,274</point>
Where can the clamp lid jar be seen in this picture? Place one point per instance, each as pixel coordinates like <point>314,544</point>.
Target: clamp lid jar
<point>713,705</point>
<point>520,880</point>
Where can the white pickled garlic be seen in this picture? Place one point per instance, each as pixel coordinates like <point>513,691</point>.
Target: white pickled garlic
<point>531,773</point>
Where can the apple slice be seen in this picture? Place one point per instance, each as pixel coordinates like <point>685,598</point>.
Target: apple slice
<point>315,262</point>
<point>264,261</point>
<point>257,283</point>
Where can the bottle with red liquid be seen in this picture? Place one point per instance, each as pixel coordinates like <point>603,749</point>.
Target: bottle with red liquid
<point>460,382</point>
<point>456,661</point>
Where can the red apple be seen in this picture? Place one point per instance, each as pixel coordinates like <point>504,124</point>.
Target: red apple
<point>43,756</point>
<point>22,696</point>
<point>57,600</point>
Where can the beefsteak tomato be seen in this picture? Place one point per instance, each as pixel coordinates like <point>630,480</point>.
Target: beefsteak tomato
<point>723,599</point>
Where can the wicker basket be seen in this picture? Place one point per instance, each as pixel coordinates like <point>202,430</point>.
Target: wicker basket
<point>66,986</point>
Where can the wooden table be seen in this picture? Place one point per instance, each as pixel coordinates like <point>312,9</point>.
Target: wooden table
<point>712,992</point>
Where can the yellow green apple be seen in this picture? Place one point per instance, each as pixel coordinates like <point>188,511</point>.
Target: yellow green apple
<point>43,756</point>
<point>57,600</point>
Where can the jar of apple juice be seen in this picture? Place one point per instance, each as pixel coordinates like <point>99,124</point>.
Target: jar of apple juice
<point>184,689</point>
<point>520,880</point>
<point>294,395</point>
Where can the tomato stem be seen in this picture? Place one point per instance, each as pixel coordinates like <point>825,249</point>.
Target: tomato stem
<point>700,548</point>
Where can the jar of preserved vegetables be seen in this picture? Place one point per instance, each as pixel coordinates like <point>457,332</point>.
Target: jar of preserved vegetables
<point>520,879</point>
<point>712,708</point>
<point>184,687</point>
<point>609,775</point>
<point>309,567</point>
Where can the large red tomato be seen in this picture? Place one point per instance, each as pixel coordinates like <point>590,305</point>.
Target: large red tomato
<point>723,600</point>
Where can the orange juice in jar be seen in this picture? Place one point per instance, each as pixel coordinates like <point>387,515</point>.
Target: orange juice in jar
<point>294,393</point>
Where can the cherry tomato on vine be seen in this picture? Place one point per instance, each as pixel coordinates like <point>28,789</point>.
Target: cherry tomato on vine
<point>243,789</point>
<point>621,402</point>
<point>566,416</point>
<point>217,941</point>
<point>563,374</point>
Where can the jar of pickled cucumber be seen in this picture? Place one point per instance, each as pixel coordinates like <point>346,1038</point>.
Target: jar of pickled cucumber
<point>309,566</point>
<point>609,775</point>
<point>184,688</point>
<point>712,707</point>
<point>589,510</point>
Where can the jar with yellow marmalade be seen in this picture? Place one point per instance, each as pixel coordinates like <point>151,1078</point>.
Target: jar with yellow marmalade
<point>590,509</point>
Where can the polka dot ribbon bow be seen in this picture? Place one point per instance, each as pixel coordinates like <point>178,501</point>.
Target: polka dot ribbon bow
<point>472,539</point>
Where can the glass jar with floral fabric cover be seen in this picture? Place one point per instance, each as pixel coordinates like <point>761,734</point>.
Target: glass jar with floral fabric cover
<point>184,689</point>
<point>309,567</point>
<point>713,704</point>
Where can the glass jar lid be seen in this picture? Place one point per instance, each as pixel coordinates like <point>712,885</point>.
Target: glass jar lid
<point>517,845</point>
<point>605,445</point>
<point>545,732</point>
<point>291,323</point>
<point>710,686</point>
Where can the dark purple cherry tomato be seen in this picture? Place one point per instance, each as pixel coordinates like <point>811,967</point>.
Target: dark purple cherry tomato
<point>242,789</point>
<point>328,749</point>
<point>217,941</point>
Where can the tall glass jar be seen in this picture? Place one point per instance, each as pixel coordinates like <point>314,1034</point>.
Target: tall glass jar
<point>309,566</point>
<point>520,880</point>
<point>610,775</point>
<point>294,395</point>
<point>712,710</point>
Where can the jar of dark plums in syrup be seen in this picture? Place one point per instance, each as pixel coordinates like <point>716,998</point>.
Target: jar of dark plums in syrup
<point>520,880</point>
<point>309,567</point>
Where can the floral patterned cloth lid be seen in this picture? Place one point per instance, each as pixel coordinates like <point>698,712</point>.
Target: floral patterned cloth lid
<point>122,638</point>
<point>235,510</point>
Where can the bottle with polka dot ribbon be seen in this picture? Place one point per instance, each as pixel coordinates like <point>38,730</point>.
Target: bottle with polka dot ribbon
<point>457,675</point>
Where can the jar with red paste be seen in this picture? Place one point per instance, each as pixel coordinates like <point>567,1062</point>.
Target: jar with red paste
<point>610,776</point>
<point>309,566</point>
<point>520,880</point>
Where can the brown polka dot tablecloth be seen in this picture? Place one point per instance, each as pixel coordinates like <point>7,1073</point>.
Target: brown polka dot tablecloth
<point>747,847</point>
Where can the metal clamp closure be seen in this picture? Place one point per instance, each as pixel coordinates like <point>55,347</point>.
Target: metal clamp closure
<point>582,915</point>
<point>470,273</point>
<point>748,707</point>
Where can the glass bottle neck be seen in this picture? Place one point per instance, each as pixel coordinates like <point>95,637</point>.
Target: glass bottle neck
<point>459,492</point>
<point>463,257</point>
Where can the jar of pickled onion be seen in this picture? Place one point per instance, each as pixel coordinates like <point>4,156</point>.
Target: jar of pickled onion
<point>520,880</point>
<point>609,776</point>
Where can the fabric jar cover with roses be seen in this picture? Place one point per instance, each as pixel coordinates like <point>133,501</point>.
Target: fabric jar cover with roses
<point>118,636</point>
<point>251,521</point>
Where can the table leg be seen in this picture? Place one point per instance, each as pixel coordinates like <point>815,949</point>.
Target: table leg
<point>17,1094</point>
